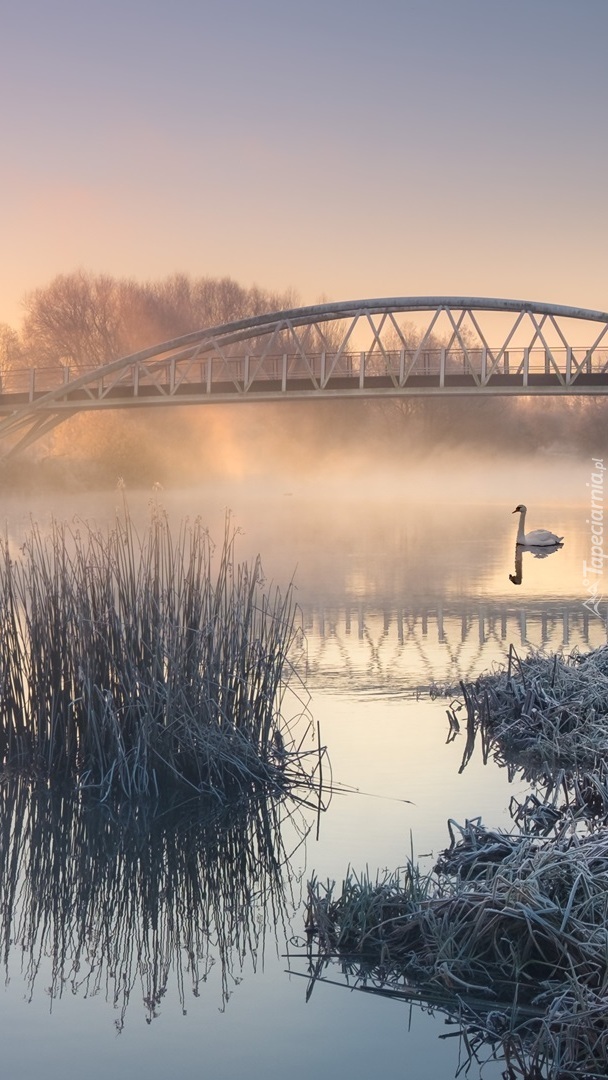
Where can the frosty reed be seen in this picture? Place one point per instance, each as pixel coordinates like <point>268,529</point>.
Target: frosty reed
<point>142,664</point>
<point>511,945</point>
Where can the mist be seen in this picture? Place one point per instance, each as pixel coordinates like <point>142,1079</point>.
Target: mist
<point>436,452</point>
<point>481,447</point>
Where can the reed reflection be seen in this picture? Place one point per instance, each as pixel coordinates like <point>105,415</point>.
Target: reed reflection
<point>134,904</point>
<point>481,1027</point>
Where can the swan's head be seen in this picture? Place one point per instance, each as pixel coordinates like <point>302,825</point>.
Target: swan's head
<point>521,509</point>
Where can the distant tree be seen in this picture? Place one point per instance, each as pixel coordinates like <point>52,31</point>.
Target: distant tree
<point>184,304</point>
<point>73,321</point>
<point>83,320</point>
<point>10,348</point>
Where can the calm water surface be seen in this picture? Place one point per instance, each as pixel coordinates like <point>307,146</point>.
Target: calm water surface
<point>395,598</point>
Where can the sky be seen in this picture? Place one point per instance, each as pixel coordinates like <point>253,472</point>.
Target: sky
<point>340,148</point>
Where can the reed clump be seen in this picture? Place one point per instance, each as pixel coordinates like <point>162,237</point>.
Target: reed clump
<point>508,935</point>
<point>141,664</point>
<point>540,712</point>
<point>526,921</point>
<point>517,933</point>
<point>544,718</point>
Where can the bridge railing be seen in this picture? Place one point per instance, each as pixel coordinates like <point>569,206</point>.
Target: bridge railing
<point>170,375</point>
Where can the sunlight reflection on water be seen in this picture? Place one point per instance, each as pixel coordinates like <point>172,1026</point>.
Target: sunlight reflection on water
<point>395,597</point>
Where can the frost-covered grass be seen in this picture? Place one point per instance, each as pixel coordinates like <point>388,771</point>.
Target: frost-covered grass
<point>508,936</point>
<point>140,664</point>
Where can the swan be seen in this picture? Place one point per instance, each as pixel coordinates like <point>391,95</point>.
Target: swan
<point>536,538</point>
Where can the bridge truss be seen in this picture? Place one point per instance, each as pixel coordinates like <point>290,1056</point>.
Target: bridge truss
<point>366,348</point>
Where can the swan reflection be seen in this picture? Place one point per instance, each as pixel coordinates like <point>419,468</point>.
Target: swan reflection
<point>537,551</point>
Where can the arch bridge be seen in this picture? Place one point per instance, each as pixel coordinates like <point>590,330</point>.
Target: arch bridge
<point>400,346</point>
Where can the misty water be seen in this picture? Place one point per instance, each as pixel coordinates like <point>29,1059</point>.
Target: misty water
<point>404,589</point>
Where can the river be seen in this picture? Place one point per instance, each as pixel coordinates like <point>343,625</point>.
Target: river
<point>400,598</point>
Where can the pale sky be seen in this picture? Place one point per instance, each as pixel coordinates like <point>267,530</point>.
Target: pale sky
<point>342,148</point>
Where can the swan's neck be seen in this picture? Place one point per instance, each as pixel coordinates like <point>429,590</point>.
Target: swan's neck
<point>521,535</point>
<point>516,578</point>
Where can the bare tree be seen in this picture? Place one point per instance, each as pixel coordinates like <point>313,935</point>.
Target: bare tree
<point>82,320</point>
<point>10,347</point>
<point>186,304</point>
<point>73,321</point>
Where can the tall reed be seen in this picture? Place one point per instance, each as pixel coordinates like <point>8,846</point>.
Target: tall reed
<point>140,663</point>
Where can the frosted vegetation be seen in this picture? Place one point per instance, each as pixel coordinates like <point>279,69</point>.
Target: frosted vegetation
<point>508,934</point>
<point>140,666</point>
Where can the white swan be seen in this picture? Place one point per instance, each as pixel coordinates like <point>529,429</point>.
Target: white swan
<point>536,538</point>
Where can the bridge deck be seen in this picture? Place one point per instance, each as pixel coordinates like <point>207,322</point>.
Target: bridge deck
<point>316,352</point>
<point>162,392</point>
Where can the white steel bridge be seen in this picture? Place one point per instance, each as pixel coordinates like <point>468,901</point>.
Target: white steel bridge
<point>398,346</point>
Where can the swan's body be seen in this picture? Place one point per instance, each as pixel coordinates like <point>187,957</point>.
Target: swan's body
<point>536,538</point>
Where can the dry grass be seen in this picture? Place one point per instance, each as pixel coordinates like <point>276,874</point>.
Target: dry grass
<point>519,935</point>
<point>509,935</point>
<point>546,720</point>
<point>140,664</point>
<point>542,713</point>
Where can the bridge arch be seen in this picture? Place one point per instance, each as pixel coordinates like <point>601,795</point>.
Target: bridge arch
<point>354,348</point>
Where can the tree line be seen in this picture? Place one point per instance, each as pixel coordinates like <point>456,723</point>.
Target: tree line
<point>83,319</point>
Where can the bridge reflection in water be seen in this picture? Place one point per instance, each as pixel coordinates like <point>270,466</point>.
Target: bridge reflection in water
<point>403,650</point>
